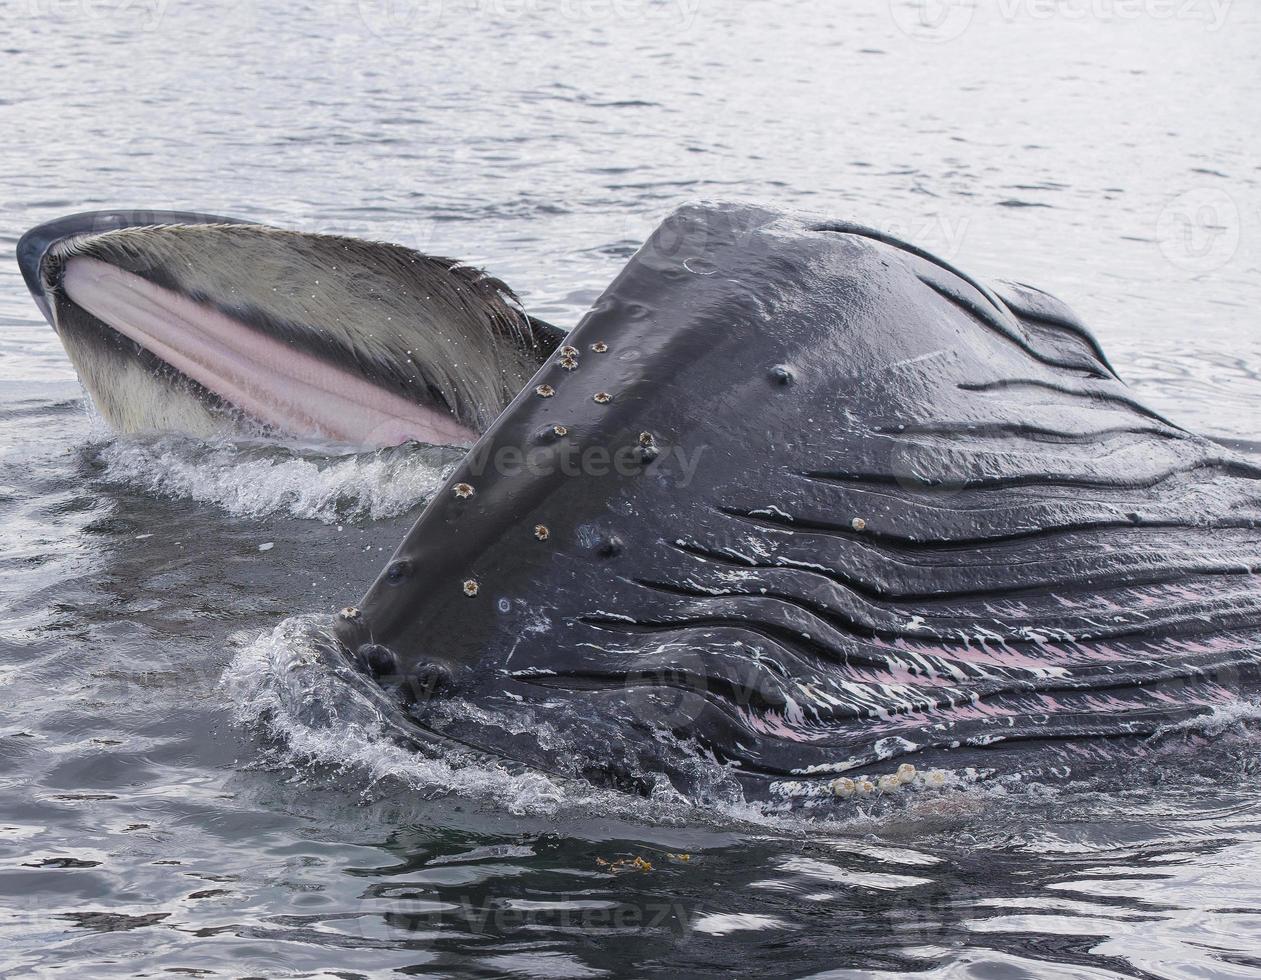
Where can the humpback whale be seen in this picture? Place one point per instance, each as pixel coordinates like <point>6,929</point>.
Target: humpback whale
<point>795,502</point>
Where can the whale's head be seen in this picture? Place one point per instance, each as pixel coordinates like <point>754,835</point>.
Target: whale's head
<point>201,324</point>
<point>795,500</point>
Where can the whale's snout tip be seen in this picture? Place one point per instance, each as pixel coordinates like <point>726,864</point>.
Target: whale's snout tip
<point>34,246</point>
<point>31,249</point>
<point>354,636</point>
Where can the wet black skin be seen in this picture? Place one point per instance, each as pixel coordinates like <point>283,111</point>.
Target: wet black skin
<point>860,506</point>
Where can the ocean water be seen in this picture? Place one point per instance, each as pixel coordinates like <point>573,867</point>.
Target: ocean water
<point>186,789</point>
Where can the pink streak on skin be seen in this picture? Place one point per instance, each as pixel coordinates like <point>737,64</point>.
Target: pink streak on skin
<point>776,725</point>
<point>278,385</point>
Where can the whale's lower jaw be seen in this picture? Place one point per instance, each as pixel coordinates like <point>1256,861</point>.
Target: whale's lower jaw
<point>738,701</point>
<point>194,324</point>
<point>205,370</point>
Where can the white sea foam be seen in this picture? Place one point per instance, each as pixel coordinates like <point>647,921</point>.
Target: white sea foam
<point>1236,715</point>
<point>287,685</point>
<point>256,479</point>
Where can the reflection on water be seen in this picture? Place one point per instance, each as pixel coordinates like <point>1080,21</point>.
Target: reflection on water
<point>1103,151</point>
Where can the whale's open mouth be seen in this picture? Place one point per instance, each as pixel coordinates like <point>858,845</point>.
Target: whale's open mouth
<point>195,324</point>
<point>280,386</point>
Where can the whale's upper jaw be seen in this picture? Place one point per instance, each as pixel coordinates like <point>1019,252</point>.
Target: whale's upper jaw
<point>203,324</point>
<point>34,246</point>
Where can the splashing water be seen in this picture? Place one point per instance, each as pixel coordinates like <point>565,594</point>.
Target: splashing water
<point>257,479</point>
<point>288,683</point>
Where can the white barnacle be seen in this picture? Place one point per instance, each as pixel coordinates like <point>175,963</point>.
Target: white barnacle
<point>843,787</point>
